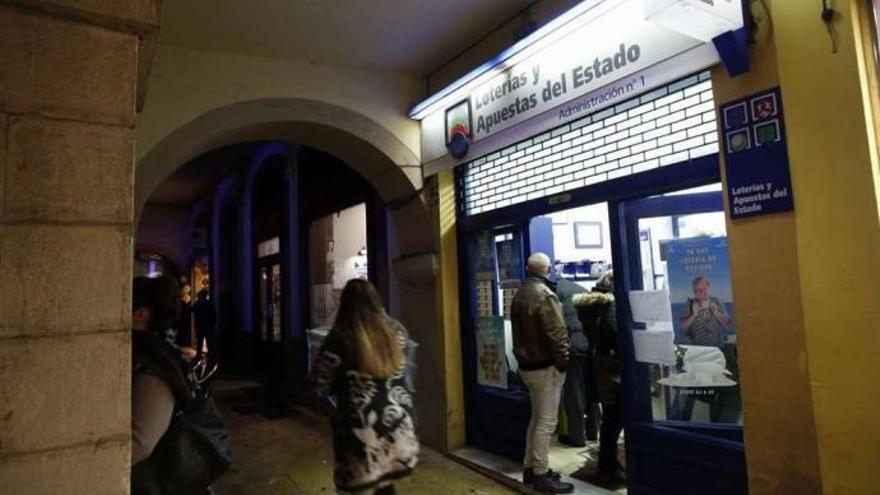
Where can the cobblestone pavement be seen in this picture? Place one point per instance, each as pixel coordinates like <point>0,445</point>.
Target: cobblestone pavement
<point>292,455</point>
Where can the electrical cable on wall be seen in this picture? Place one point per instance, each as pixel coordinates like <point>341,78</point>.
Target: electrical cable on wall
<point>769,17</point>
<point>757,21</point>
<point>828,15</point>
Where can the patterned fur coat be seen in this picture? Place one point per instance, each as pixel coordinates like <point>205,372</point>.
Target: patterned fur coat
<point>374,438</point>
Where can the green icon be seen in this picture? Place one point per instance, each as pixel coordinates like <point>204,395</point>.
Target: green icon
<point>767,133</point>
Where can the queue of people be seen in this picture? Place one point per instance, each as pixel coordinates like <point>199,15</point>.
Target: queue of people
<point>564,341</point>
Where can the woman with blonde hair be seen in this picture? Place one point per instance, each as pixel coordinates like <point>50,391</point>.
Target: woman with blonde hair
<point>363,363</point>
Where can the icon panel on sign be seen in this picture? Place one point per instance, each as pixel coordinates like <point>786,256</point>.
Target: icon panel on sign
<point>736,116</point>
<point>767,133</point>
<point>738,140</point>
<point>764,107</point>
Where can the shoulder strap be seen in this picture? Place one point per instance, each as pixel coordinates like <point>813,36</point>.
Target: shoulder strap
<point>157,356</point>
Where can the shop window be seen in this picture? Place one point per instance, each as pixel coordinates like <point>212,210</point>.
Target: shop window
<point>686,258</point>
<point>337,253</point>
<point>497,274</point>
<point>669,125</point>
<point>579,243</point>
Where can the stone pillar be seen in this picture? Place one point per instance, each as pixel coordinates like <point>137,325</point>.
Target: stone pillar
<point>68,89</point>
<point>415,269</point>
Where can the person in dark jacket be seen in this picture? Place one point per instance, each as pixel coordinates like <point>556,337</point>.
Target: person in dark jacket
<point>579,392</point>
<point>598,318</point>
<point>541,345</point>
<point>157,378</point>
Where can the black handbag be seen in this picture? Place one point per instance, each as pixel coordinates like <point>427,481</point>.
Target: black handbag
<point>195,450</point>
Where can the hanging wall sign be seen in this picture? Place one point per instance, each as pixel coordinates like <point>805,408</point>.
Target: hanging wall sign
<point>756,156</point>
<point>702,19</point>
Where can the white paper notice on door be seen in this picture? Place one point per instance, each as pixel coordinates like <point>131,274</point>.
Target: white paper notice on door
<point>654,347</point>
<point>650,306</point>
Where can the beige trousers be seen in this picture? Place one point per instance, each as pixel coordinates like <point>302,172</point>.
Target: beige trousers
<point>545,389</point>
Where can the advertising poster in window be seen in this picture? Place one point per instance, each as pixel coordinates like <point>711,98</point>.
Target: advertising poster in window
<point>699,291</point>
<point>510,265</point>
<point>337,254</point>
<point>491,352</point>
<point>484,273</point>
<point>510,268</point>
<point>485,262</point>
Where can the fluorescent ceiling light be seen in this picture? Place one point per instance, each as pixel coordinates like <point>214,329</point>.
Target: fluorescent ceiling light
<point>528,46</point>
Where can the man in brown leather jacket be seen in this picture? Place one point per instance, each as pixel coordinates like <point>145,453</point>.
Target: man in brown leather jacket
<point>541,345</point>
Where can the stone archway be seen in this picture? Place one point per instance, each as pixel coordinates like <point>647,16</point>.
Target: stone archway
<point>380,158</point>
<point>374,152</point>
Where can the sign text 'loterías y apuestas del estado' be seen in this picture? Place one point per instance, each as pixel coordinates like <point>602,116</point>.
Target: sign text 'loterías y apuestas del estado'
<point>616,42</point>
<point>546,92</point>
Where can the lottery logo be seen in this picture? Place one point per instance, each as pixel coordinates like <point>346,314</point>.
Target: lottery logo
<point>764,107</point>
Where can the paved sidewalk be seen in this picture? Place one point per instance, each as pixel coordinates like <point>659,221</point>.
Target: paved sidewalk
<point>293,456</point>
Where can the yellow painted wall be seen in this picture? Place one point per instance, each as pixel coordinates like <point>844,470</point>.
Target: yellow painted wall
<point>838,239</point>
<point>806,283</point>
<point>781,449</point>
<point>448,311</point>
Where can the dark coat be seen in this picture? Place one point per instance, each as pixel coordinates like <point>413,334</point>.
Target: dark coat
<point>598,317</point>
<point>566,290</point>
<point>152,354</point>
<point>374,437</point>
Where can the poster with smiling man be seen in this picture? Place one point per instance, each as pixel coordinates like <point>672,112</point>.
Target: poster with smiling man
<point>699,290</point>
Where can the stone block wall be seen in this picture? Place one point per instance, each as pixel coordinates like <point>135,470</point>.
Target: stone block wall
<point>68,83</point>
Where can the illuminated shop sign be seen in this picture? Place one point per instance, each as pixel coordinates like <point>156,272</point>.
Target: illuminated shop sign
<point>514,94</point>
<point>591,57</point>
<point>616,43</point>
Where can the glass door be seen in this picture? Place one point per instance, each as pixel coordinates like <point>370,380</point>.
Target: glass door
<point>683,407</point>
<point>270,334</point>
<point>497,402</point>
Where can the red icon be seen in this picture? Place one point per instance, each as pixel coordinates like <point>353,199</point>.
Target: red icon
<point>764,107</point>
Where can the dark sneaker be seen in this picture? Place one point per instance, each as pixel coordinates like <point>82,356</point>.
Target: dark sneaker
<point>529,475</point>
<point>547,483</point>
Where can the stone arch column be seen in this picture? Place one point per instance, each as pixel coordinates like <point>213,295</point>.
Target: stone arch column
<point>66,159</point>
<point>257,162</point>
<point>224,193</point>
